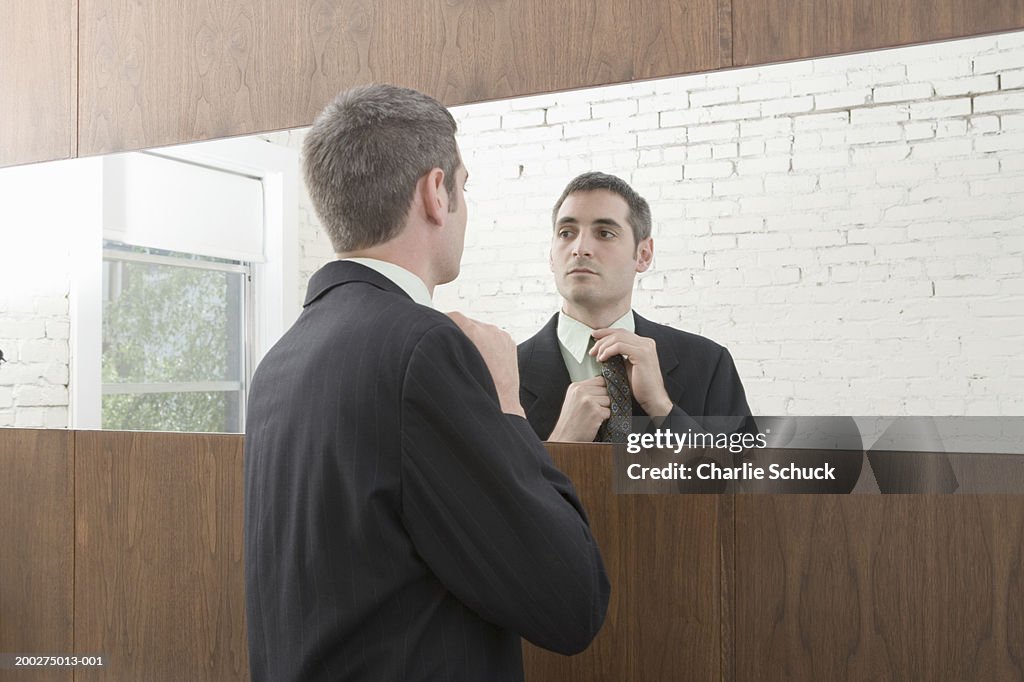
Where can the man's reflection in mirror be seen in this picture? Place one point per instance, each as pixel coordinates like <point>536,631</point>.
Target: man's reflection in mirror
<point>596,365</point>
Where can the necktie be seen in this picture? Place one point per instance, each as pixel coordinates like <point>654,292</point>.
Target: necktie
<point>616,428</point>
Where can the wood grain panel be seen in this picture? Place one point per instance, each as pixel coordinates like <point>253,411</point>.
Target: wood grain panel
<point>775,30</point>
<point>160,589</point>
<point>36,544</point>
<point>161,73</point>
<point>868,588</point>
<point>665,556</point>
<point>38,79</point>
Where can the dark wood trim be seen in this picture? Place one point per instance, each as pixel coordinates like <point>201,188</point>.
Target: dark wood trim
<point>37,547</point>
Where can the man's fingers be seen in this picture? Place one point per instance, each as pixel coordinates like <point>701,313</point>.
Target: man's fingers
<point>613,349</point>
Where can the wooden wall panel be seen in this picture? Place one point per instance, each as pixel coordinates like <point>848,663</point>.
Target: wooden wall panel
<point>776,30</point>
<point>868,588</point>
<point>36,543</point>
<point>160,587</point>
<point>38,63</point>
<point>666,557</point>
<point>161,73</point>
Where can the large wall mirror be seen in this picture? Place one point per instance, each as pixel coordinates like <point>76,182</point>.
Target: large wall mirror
<point>851,228</point>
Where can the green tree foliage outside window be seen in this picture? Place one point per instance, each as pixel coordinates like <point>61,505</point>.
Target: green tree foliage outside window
<point>171,325</point>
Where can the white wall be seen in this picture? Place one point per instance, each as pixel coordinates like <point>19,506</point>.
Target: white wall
<point>44,211</point>
<point>852,228</point>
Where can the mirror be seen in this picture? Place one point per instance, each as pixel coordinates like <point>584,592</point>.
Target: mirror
<point>851,228</point>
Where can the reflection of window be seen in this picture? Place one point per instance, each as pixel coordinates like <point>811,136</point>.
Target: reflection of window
<point>164,247</point>
<point>175,333</point>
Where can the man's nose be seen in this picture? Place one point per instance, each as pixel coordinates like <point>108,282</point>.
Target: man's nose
<point>581,247</point>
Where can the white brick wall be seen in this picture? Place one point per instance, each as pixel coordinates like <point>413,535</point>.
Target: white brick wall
<point>34,331</point>
<point>852,228</point>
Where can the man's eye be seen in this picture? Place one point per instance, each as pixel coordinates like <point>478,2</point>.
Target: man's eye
<point>564,234</point>
<point>607,234</point>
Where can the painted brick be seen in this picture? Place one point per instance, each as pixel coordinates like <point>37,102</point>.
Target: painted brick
<point>966,86</point>
<point>1010,101</point>
<point>887,114</point>
<point>666,102</point>
<point>704,98</point>
<point>766,128</point>
<point>761,166</point>
<point>842,100</point>
<point>734,112</point>
<point>790,105</point>
<point>708,169</point>
<point>729,150</point>
<point>1005,122</point>
<point>740,187</point>
<point>822,160</point>
<point>522,119</point>
<point>1000,61</point>
<point>761,91</point>
<point>954,128</point>
<point>721,131</point>
<point>821,121</point>
<point>946,108</point>
<point>890,132</point>
<point>967,167</point>
<point>942,70</point>
<point>1003,142</point>
<point>902,93</point>
<point>940,149</point>
<point>563,113</point>
<point>1011,80</point>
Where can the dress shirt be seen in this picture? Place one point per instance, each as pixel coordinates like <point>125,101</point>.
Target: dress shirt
<point>405,280</point>
<point>574,339</point>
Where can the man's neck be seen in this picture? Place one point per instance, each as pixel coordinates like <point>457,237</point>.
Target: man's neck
<point>596,319</point>
<point>396,254</point>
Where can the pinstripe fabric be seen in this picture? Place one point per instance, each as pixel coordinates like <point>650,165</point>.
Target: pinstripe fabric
<point>398,526</point>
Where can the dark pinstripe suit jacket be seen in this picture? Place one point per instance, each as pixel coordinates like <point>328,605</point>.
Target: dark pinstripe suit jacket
<point>398,525</point>
<point>700,376</point>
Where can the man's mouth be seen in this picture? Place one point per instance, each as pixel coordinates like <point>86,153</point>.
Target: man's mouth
<point>581,271</point>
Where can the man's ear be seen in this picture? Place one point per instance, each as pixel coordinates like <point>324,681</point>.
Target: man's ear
<point>434,196</point>
<point>644,254</point>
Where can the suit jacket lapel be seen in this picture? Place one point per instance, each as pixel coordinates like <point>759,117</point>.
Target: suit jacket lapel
<point>544,378</point>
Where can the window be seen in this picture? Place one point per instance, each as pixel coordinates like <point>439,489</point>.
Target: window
<point>174,338</point>
<point>184,273</point>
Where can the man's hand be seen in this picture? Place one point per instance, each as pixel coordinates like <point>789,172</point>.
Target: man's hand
<point>499,352</point>
<point>586,405</point>
<point>642,366</point>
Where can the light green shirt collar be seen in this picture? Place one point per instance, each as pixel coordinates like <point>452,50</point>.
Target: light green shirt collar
<point>574,341</point>
<point>403,279</point>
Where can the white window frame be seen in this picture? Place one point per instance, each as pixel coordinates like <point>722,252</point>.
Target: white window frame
<point>275,280</point>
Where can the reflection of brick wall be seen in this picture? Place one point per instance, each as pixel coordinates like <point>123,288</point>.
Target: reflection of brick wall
<point>34,331</point>
<point>852,228</point>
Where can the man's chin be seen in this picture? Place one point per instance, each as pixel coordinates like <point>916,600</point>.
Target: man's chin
<point>580,295</point>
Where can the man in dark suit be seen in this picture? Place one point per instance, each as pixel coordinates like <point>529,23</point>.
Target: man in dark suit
<point>402,520</point>
<point>602,239</point>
